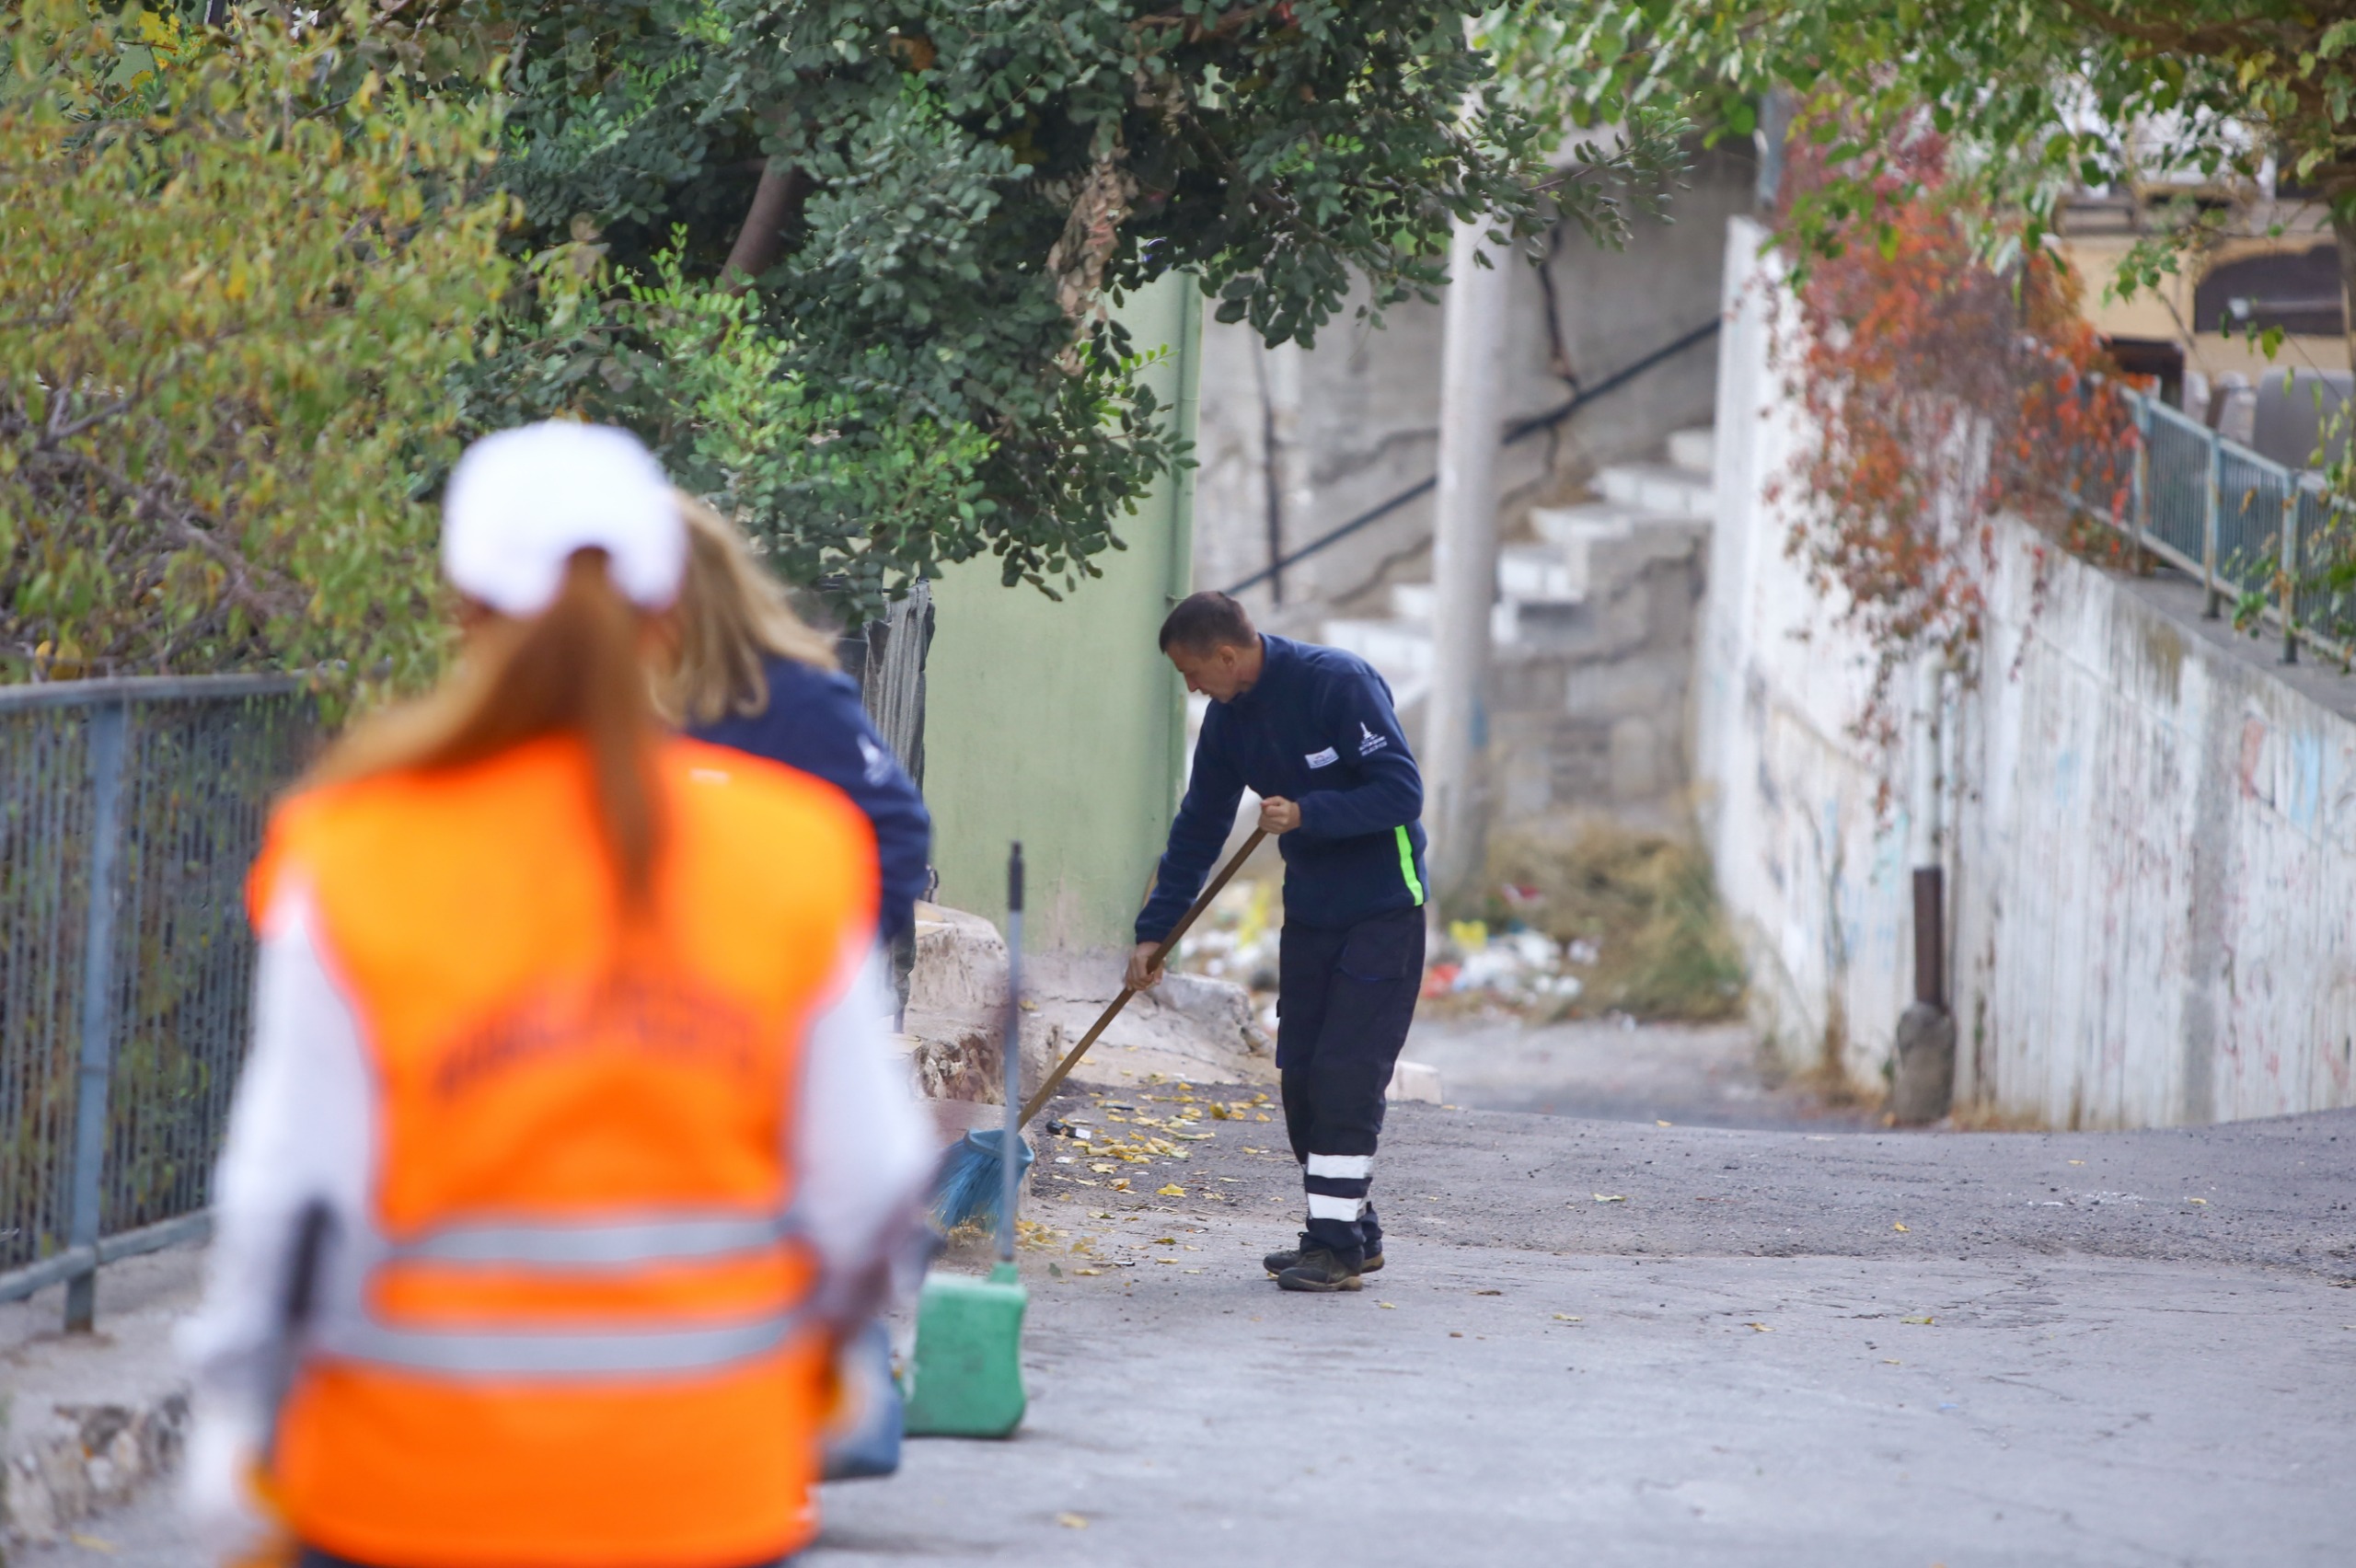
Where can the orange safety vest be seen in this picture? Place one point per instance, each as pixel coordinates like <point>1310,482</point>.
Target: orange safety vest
<point>574,1335</point>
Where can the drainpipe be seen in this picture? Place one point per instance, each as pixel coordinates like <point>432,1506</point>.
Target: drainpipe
<point>1464,554</point>
<point>1923,1088</point>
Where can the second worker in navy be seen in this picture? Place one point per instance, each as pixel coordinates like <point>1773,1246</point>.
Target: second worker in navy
<point>1313,731</point>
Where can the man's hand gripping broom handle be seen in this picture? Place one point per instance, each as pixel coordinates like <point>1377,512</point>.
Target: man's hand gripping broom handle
<point>1210,890</point>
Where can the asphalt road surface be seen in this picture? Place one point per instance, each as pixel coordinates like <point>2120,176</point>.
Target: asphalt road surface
<point>1620,1343</point>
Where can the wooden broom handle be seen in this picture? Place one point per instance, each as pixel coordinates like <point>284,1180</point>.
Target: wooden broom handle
<point>1211,890</point>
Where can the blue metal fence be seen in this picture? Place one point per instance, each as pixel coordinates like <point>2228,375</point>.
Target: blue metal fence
<point>129,812</point>
<point>124,1018</point>
<point>2266,541</point>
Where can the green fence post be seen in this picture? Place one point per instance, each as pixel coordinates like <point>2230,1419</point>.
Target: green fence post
<point>2211,597</point>
<point>2139,513</point>
<point>2290,573</point>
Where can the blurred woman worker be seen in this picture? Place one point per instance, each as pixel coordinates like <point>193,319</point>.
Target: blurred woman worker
<point>569,1135</point>
<point>748,672</point>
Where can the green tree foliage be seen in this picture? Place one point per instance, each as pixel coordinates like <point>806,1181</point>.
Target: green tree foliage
<point>2037,98</point>
<point>237,273</point>
<point>896,225</point>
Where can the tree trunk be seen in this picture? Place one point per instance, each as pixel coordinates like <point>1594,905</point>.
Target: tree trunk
<point>777,204</point>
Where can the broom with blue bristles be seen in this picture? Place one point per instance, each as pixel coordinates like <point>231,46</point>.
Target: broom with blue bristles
<point>974,1182</point>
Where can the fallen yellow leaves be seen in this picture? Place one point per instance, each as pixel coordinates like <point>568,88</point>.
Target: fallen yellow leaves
<point>1071,1521</point>
<point>1172,1191</point>
<point>1898,1225</point>
<point>1924,1321</point>
<point>1760,1327</point>
<point>1610,1197</point>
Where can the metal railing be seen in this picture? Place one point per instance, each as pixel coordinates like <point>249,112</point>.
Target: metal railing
<point>123,1019</point>
<point>2262,539</point>
<point>128,813</point>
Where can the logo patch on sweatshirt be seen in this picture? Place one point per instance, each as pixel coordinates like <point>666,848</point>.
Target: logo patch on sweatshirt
<point>1372,742</point>
<point>1325,759</point>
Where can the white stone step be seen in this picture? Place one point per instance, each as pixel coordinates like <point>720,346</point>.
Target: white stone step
<point>1537,574</point>
<point>1400,650</point>
<point>1695,450</point>
<point>1657,487</point>
<point>1568,527</point>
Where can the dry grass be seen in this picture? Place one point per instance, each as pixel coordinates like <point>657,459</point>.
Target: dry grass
<point>1981,1118</point>
<point>1645,901</point>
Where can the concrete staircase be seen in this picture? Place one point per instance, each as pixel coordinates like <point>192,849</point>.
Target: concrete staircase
<point>1593,635</point>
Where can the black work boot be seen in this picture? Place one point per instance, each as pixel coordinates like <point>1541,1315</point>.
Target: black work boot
<point>1321,1269</point>
<point>1277,1262</point>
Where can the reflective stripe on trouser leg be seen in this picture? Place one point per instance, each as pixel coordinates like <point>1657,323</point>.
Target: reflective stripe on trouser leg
<point>1337,1185</point>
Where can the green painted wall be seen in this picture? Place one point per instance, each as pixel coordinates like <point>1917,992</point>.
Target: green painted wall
<point>1061,724</point>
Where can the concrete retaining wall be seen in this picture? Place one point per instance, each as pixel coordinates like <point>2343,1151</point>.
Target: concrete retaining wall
<point>2153,828</point>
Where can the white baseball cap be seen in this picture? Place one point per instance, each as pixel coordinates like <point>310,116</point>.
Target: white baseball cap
<point>520,502</point>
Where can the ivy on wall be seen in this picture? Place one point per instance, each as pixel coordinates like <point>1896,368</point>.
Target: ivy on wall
<point>1938,391</point>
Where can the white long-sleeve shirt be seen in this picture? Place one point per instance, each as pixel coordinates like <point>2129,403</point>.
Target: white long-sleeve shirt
<point>302,1131</point>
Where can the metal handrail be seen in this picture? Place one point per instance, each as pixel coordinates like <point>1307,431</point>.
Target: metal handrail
<point>2215,509</point>
<point>143,688</point>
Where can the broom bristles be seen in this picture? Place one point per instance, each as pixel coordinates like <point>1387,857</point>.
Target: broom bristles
<point>970,1185</point>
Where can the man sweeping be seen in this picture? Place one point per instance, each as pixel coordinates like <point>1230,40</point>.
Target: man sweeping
<point>1313,731</point>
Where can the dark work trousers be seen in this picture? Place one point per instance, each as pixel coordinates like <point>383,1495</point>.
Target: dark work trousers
<point>1343,1002</point>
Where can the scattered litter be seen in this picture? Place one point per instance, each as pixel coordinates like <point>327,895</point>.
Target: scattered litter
<point>2077,1162</point>
<point>1760,1327</point>
<point>2202,1202</point>
<point>1386,1305</point>
<point>1819,1137</point>
<point>1238,938</point>
<point>1949,1404</point>
<point>1518,967</point>
<point>1071,1521</point>
<point>1566,1318</point>
<point>1610,1197</point>
<point>1886,1361</point>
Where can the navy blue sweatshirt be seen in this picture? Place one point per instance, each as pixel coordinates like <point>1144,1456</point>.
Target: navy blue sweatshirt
<point>814,722</point>
<point>1317,729</point>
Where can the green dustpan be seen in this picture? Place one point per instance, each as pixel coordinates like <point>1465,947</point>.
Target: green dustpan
<point>965,1378</point>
